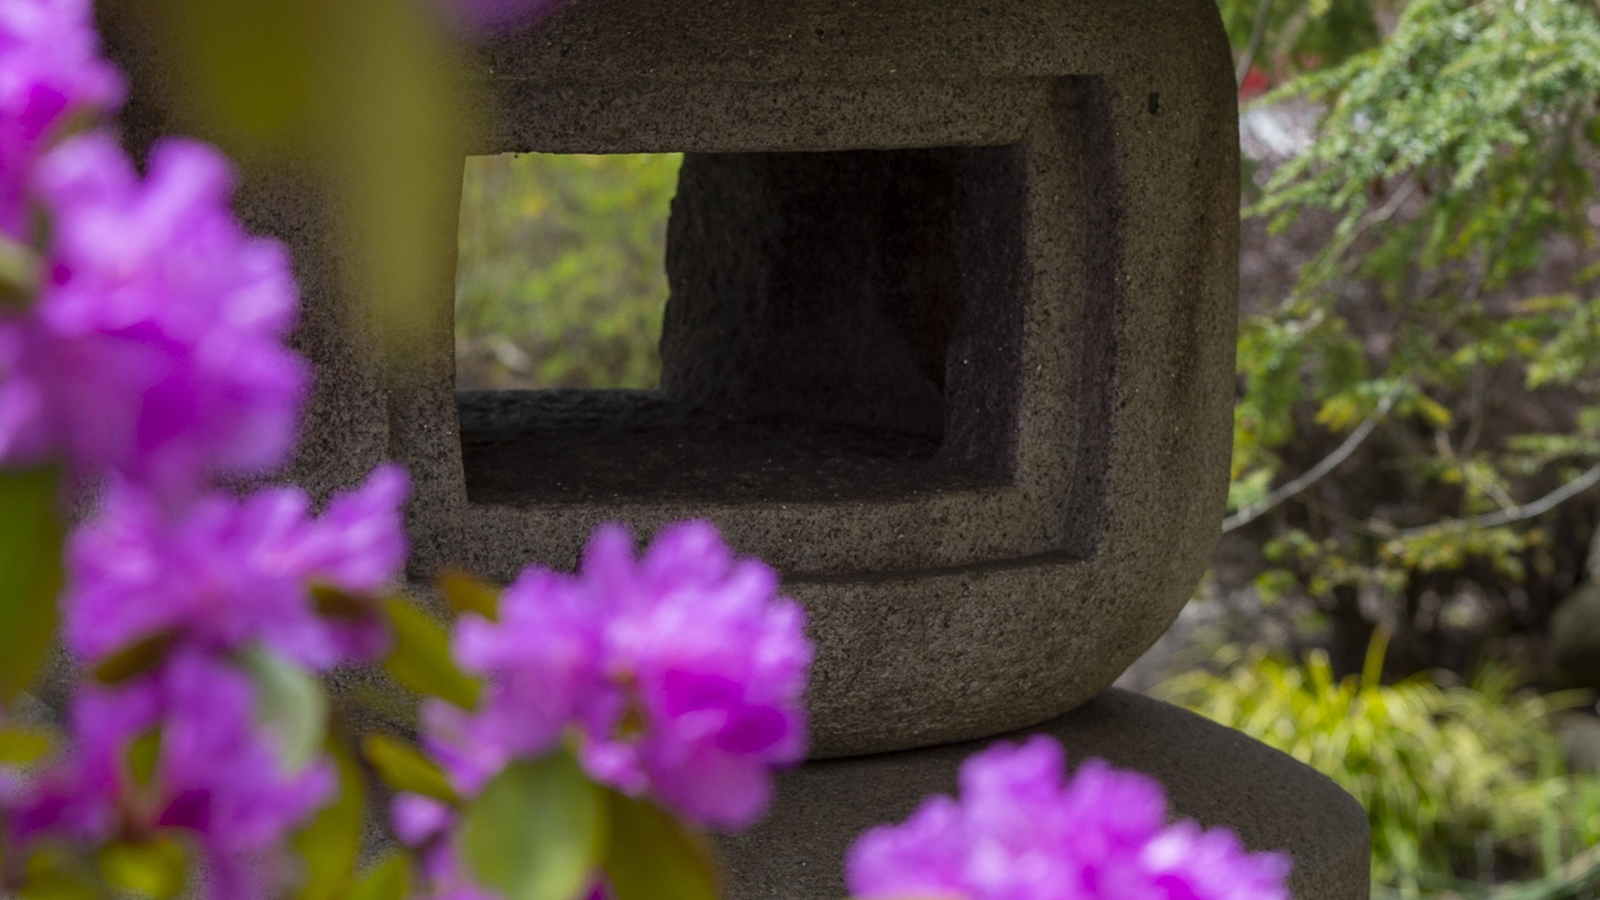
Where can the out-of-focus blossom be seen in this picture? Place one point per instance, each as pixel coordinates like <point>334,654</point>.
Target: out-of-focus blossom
<point>156,347</point>
<point>50,72</point>
<point>417,819</point>
<point>447,879</point>
<point>234,571</point>
<point>544,659</point>
<point>1021,831</point>
<point>680,672</point>
<point>79,797</point>
<point>216,775</point>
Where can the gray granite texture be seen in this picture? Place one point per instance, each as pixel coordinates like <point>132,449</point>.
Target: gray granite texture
<point>1212,774</point>
<point>950,340</point>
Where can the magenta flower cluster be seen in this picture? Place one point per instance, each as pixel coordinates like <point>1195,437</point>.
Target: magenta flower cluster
<point>228,577</point>
<point>678,675</point>
<point>217,774</point>
<point>1022,831</point>
<point>144,357</point>
<point>234,573</point>
<point>155,349</point>
<point>50,74</point>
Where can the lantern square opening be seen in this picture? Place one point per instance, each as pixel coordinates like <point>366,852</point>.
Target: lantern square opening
<point>838,325</point>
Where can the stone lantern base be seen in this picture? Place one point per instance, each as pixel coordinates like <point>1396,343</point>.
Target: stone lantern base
<point>1212,774</point>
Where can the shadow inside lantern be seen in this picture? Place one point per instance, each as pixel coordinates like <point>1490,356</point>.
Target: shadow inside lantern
<point>839,325</point>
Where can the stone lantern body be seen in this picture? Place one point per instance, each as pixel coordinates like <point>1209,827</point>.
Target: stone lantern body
<point>950,343</point>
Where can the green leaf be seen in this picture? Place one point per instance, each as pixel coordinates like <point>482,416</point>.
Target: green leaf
<point>136,658</point>
<point>536,832</point>
<point>468,593</point>
<point>19,274</point>
<point>330,844</point>
<point>334,603</point>
<point>388,880</point>
<point>383,699</point>
<point>144,752</point>
<point>56,873</point>
<point>154,868</point>
<point>1432,411</point>
<point>248,64</point>
<point>404,768</point>
<point>23,746</point>
<point>289,703</point>
<point>420,658</point>
<point>30,573</point>
<point>653,856</point>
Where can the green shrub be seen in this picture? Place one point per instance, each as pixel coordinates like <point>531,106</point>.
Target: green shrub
<point>1466,785</point>
<point>560,280</point>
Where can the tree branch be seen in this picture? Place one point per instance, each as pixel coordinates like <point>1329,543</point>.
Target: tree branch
<point>1516,513</point>
<point>1314,474</point>
<point>1547,165</point>
<point>1258,31</point>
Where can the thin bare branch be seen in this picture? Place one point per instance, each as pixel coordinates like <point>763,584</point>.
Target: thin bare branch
<point>1314,474</point>
<point>1258,31</point>
<point>1334,256</point>
<point>1475,408</point>
<point>1516,513</point>
<point>1547,165</point>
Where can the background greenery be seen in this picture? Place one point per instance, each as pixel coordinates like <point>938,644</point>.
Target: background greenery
<point>561,281</point>
<point>1417,429</point>
<point>1466,784</point>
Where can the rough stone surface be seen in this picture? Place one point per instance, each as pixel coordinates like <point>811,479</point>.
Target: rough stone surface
<point>1212,774</point>
<point>950,337</point>
<point>950,343</point>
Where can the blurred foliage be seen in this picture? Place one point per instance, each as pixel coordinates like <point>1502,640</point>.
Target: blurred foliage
<point>537,831</point>
<point>1454,156</point>
<point>1442,348</point>
<point>651,854</point>
<point>30,573</point>
<point>561,279</point>
<point>361,90</point>
<point>1283,36</point>
<point>419,656</point>
<point>1466,786</point>
<point>329,846</point>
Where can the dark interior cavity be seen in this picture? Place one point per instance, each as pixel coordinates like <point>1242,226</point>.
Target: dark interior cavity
<point>841,324</point>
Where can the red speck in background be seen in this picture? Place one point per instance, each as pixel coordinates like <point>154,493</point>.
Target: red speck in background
<point>1255,84</point>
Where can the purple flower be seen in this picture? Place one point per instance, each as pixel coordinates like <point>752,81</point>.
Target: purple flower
<point>447,878</point>
<point>417,820</point>
<point>79,797</point>
<point>681,673</point>
<point>1190,864</point>
<point>50,71</point>
<point>1021,831</point>
<point>221,774</point>
<point>216,774</point>
<point>544,658</point>
<point>156,348</point>
<point>233,571</point>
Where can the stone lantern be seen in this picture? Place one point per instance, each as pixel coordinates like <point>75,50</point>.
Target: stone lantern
<point>950,343</point>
